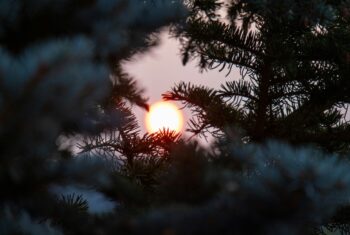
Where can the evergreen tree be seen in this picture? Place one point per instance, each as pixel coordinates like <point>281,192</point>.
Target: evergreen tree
<point>61,75</point>
<point>293,58</point>
<point>57,60</point>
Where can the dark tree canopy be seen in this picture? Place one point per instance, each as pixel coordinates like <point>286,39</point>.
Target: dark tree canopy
<point>293,58</point>
<point>60,76</point>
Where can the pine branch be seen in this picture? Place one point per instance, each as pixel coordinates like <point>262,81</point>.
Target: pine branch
<point>233,90</point>
<point>126,88</point>
<point>207,107</point>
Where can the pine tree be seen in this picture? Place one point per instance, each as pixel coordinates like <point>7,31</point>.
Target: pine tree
<point>293,59</point>
<point>61,75</point>
<point>56,61</point>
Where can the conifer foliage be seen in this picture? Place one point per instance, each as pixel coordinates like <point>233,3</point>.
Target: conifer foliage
<point>293,86</point>
<point>61,78</point>
<point>58,66</point>
<point>293,59</point>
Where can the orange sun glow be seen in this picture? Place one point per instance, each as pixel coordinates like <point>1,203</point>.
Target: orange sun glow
<point>164,115</point>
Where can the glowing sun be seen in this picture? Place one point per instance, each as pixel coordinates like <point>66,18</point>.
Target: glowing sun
<point>164,115</point>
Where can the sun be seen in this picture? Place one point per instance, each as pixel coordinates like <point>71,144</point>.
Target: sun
<point>164,115</point>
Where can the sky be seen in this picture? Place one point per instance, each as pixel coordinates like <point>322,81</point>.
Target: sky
<point>160,68</point>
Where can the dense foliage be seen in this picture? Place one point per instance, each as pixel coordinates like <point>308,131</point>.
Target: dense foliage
<point>60,76</point>
<point>74,162</point>
<point>293,58</point>
<point>293,82</point>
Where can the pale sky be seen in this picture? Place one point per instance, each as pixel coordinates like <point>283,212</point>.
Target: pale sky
<point>159,69</point>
